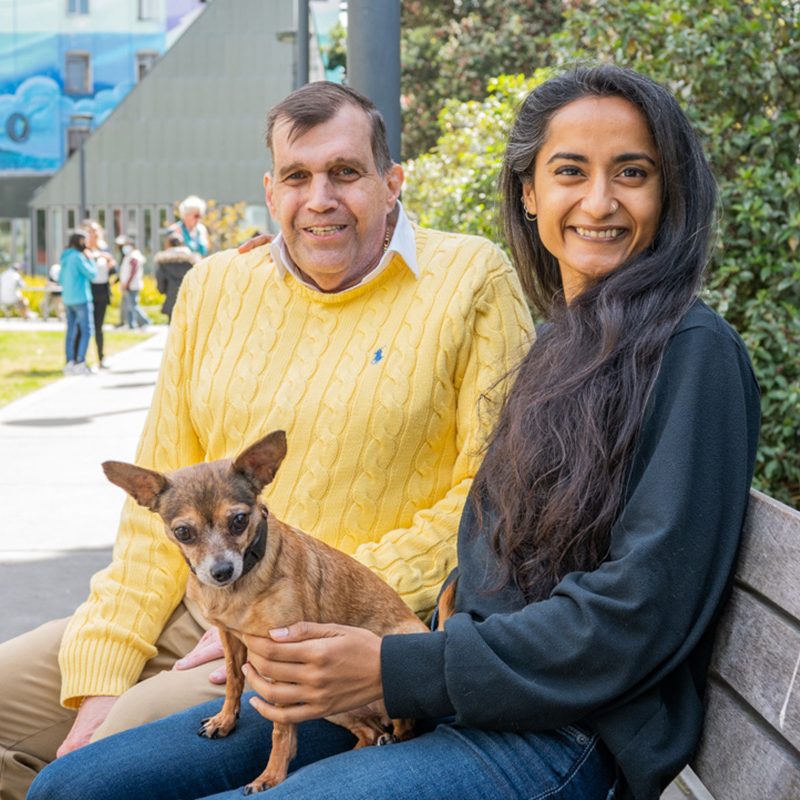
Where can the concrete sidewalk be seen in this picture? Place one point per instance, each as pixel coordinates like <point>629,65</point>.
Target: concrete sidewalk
<point>58,513</point>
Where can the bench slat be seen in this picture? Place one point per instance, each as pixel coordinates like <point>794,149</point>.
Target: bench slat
<point>748,763</point>
<point>756,653</point>
<point>770,555</point>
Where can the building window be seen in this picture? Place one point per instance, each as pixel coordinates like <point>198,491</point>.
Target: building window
<point>40,237</point>
<point>144,62</point>
<point>150,243</point>
<point>116,222</point>
<point>77,74</point>
<point>75,137</point>
<point>77,6</point>
<point>148,9</point>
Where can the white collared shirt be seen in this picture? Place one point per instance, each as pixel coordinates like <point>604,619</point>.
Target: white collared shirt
<point>403,243</point>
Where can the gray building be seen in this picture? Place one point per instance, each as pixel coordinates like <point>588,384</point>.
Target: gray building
<point>194,125</point>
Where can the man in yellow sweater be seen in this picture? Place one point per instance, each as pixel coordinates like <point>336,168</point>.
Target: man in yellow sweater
<point>376,345</point>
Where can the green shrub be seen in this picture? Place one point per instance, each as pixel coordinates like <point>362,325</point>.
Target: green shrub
<point>454,186</point>
<point>451,47</point>
<point>735,67</point>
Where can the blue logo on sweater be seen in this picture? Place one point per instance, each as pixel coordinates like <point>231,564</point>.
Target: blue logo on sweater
<point>378,356</point>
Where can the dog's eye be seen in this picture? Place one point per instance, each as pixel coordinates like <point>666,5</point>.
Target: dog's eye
<point>238,523</point>
<point>183,533</point>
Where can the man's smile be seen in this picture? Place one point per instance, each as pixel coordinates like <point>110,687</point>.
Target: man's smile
<point>324,230</point>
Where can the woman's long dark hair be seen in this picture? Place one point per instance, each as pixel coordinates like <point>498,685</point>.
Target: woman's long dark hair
<point>555,467</point>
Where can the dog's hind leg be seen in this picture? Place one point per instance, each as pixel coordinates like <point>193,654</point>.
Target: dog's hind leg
<point>224,722</point>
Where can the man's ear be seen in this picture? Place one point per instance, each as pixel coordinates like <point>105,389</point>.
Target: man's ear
<point>143,485</point>
<point>268,192</point>
<point>261,460</point>
<point>394,183</point>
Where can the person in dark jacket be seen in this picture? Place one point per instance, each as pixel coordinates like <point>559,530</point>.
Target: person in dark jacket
<point>172,265</point>
<point>597,546</point>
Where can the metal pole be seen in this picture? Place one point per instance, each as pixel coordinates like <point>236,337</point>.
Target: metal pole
<point>302,42</point>
<point>373,59</point>
<point>82,166</point>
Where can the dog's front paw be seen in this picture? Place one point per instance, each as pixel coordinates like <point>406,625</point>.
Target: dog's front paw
<point>271,776</point>
<point>217,726</point>
<point>255,788</point>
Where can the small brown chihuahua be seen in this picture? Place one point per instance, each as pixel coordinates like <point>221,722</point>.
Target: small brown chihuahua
<point>250,572</point>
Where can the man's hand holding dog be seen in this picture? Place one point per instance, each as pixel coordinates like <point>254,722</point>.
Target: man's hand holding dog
<point>312,670</point>
<point>209,648</point>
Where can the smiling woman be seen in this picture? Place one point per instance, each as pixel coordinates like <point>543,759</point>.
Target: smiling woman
<point>596,189</point>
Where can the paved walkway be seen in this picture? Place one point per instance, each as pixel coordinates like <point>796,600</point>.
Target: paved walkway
<point>58,513</point>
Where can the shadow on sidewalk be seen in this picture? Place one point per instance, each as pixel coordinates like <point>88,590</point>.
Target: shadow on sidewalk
<point>38,587</point>
<point>58,422</point>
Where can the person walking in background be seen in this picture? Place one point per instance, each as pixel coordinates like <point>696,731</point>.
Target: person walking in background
<point>193,233</point>
<point>172,265</point>
<point>97,250</point>
<point>131,275</point>
<point>77,272</point>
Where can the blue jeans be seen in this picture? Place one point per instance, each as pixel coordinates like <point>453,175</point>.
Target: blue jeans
<point>79,321</point>
<point>132,314</point>
<point>167,760</point>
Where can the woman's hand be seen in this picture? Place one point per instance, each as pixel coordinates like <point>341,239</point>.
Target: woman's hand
<point>311,670</point>
<point>256,241</point>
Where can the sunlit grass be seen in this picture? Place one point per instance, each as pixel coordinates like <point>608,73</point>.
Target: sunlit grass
<point>32,359</point>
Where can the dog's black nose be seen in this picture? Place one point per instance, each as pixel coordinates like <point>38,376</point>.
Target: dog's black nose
<point>222,572</point>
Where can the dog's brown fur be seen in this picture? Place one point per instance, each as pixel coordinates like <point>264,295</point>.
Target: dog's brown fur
<point>298,578</point>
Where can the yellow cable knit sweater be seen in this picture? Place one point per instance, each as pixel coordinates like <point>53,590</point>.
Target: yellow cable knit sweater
<point>378,389</point>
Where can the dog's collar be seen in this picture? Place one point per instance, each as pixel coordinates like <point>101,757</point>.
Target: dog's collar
<point>255,552</point>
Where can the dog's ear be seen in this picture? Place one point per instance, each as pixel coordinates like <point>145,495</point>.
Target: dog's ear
<point>261,460</point>
<point>143,485</point>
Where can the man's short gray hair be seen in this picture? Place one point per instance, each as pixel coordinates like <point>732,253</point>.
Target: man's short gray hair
<point>316,103</point>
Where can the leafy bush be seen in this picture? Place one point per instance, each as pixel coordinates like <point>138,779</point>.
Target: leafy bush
<point>735,67</point>
<point>454,186</point>
<point>450,48</point>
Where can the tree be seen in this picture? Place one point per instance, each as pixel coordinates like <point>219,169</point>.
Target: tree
<point>450,48</point>
<point>454,186</point>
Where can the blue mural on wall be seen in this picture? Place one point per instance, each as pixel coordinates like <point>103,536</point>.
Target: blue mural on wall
<point>36,103</point>
<point>35,108</point>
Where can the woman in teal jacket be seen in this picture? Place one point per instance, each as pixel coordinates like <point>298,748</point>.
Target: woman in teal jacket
<point>77,271</point>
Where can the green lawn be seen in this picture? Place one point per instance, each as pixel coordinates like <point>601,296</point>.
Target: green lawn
<point>30,360</point>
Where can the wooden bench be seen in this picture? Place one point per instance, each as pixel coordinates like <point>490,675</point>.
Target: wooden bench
<point>750,748</point>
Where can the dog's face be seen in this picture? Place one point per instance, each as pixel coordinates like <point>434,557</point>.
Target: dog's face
<point>211,510</point>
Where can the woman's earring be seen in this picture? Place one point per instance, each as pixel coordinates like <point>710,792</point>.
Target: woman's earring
<point>528,216</point>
